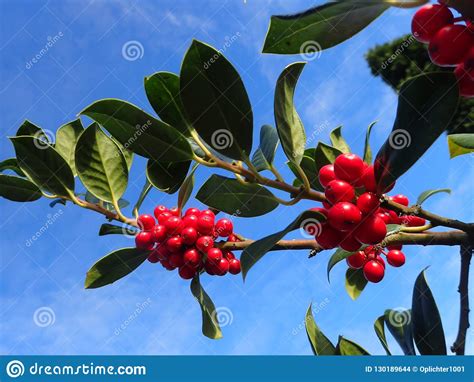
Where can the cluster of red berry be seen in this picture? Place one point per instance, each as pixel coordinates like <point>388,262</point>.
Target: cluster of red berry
<point>353,212</point>
<point>187,242</point>
<point>450,44</point>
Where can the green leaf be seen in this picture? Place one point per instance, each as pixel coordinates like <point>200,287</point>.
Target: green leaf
<point>11,164</point>
<point>460,144</point>
<point>232,197</point>
<point>336,257</point>
<point>162,90</point>
<point>428,193</point>
<point>210,324</point>
<point>186,189</point>
<point>320,344</point>
<point>379,328</point>
<point>355,282</point>
<point>167,177</point>
<point>426,104</point>
<point>320,27</point>
<point>114,266</point>
<point>288,123</point>
<point>427,326</point>
<point>18,189</point>
<point>348,347</point>
<point>128,155</point>
<point>308,165</point>
<point>66,139</point>
<point>122,203</point>
<point>43,165</point>
<point>216,101</point>
<point>264,155</point>
<point>111,229</point>
<point>101,165</point>
<point>139,131</point>
<point>367,149</point>
<point>28,128</point>
<point>338,141</point>
<point>325,154</point>
<point>255,251</point>
<point>399,324</point>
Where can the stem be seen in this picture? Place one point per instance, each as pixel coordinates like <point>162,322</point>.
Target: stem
<point>276,173</point>
<point>459,344</point>
<point>422,228</point>
<point>307,185</point>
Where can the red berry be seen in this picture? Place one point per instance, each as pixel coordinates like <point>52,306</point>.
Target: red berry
<point>153,257</point>
<point>450,45</point>
<point>163,217</point>
<point>192,257</point>
<point>144,240</point>
<point>329,237</point>
<point>380,260</point>
<point>162,252</point>
<point>384,216</point>
<point>348,167</point>
<point>210,268</point>
<point>412,221</point>
<point>166,264</point>
<point>428,20</point>
<point>224,227</point>
<point>232,239</point>
<point>146,222</point>
<point>339,191</point>
<point>176,259</point>
<point>187,272</point>
<point>214,255</point>
<point>173,225</point>
<point>344,216</point>
<point>222,267</point>
<point>357,260</point>
<point>228,255</point>
<point>372,230</point>
<point>205,224</point>
<point>465,74</point>
<point>373,271</point>
<point>395,258</point>
<point>174,211</point>
<point>350,244</point>
<point>368,202</point>
<point>159,210</point>
<point>159,233</point>
<point>395,246</point>
<point>174,244</point>
<point>234,266</point>
<point>400,199</point>
<point>322,211</point>
<point>189,235</point>
<point>394,218</point>
<point>192,211</point>
<point>368,179</point>
<point>204,243</point>
<point>326,204</point>
<point>208,213</point>
<point>190,221</point>
<point>326,174</point>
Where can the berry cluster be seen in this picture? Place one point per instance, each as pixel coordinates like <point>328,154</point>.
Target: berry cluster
<point>450,44</point>
<point>353,212</point>
<point>187,242</point>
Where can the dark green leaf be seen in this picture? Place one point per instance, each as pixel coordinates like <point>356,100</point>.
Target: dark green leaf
<point>101,165</point>
<point>325,154</point>
<point>44,165</point>
<point>320,344</point>
<point>348,347</point>
<point>255,251</point>
<point>139,131</point>
<point>428,193</point>
<point>66,139</point>
<point>143,194</point>
<point>114,266</point>
<point>367,149</point>
<point>162,90</point>
<point>338,141</point>
<point>379,328</point>
<point>426,104</point>
<point>399,324</point>
<point>308,165</point>
<point>18,189</point>
<point>216,101</point>
<point>460,144</point>
<point>210,324</point>
<point>111,229</point>
<point>355,282</point>
<point>57,201</point>
<point>128,155</point>
<point>231,196</point>
<point>28,128</point>
<point>167,177</point>
<point>288,123</point>
<point>264,155</point>
<point>336,257</point>
<point>11,164</point>
<point>319,28</point>
<point>427,326</point>
<point>186,189</point>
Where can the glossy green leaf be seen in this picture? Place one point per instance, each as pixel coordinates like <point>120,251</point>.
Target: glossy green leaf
<point>379,327</point>
<point>210,324</point>
<point>101,165</point>
<point>162,90</point>
<point>264,155</point>
<point>308,165</point>
<point>139,131</point>
<point>320,27</point>
<point>255,251</point>
<point>325,154</point>
<point>429,193</point>
<point>338,141</point>
<point>128,155</point>
<point>186,189</point>
<point>399,324</point>
<point>427,326</point>
<point>114,266</point>
<point>66,139</point>
<point>348,347</point>
<point>320,344</point>
<point>28,128</point>
<point>336,257</point>
<point>216,101</point>
<point>167,177</point>
<point>367,150</point>
<point>232,197</point>
<point>12,165</point>
<point>426,104</point>
<point>18,189</point>
<point>43,165</point>
<point>355,282</point>
<point>288,123</point>
<point>112,229</point>
<point>460,144</point>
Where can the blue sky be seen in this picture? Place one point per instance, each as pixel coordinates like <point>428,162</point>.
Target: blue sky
<point>84,64</point>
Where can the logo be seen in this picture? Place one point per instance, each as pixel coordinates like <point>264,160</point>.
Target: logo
<point>15,369</point>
